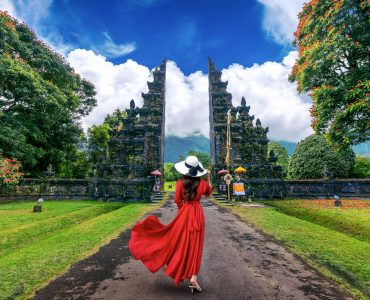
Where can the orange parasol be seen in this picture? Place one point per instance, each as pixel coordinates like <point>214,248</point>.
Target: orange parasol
<point>240,170</point>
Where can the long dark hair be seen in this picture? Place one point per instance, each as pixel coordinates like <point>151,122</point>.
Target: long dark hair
<point>190,185</point>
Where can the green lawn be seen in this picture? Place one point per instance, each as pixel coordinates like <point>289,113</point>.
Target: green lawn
<point>353,218</point>
<point>14,214</point>
<point>36,247</point>
<point>338,256</point>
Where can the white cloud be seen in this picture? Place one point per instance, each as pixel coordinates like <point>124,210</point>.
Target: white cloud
<point>281,18</point>
<point>7,5</point>
<point>272,98</point>
<point>110,49</point>
<point>116,85</point>
<point>36,13</point>
<point>186,102</point>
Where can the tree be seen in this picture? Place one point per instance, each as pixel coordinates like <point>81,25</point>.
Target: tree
<point>115,120</point>
<point>281,153</point>
<point>76,165</point>
<point>98,137</point>
<point>333,66</point>
<point>42,99</point>
<point>362,167</point>
<point>170,173</point>
<point>314,154</point>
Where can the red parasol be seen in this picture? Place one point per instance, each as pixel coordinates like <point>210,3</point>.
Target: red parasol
<point>222,172</point>
<point>156,173</point>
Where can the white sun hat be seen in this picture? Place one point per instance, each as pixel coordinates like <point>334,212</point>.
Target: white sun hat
<point>191,166</point>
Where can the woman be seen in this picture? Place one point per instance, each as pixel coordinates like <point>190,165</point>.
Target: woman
<point>178,246</point>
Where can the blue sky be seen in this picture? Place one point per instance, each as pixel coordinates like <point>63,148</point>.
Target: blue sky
<point>115,44</point>
<point>183,31</point>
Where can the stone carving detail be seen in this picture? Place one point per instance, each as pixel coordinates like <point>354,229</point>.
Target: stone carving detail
<point>248,141</point>
<point>136,147</point>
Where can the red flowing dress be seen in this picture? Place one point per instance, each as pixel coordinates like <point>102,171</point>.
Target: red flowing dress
<point>177,246</point>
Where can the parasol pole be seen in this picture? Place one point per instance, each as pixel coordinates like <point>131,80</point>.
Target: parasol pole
<point>228,144</point>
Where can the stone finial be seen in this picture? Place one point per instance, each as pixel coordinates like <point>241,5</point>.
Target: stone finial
<point>132,104</point>
<point>211,65</point>
<point>243,102</point>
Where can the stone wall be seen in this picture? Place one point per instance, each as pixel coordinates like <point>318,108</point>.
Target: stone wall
<point>348,188</point>
<point>93,189</point>
<point>141,189</point>
<point>305,189</point>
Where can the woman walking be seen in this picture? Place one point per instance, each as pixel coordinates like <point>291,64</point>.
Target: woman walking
<point>178,246</point>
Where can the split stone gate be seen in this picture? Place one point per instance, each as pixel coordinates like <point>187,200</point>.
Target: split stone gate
<point>137,144</point>
<point>136,148</point>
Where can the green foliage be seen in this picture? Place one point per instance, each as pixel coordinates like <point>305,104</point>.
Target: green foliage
<point>115,119</point>
<point>170,186</point>
<point>281,153</point>
<point>362,167</point>
<point>313,153</point>
<point>170,173</point>
<point>98,137</point>
<point>77,165</point>
<point>41,99</point>
<point>333,66</point>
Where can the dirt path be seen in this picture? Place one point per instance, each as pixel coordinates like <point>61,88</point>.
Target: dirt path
<point>238,263</point>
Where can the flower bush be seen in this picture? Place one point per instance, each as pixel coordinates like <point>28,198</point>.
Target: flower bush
<point>9,172</point>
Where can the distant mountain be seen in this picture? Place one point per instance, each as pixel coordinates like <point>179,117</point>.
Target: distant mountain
<point>361,149</point>
<point>289,146</point>
<point>175,146</point>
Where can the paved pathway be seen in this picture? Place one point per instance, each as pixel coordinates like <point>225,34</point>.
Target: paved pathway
<point>238,263</point>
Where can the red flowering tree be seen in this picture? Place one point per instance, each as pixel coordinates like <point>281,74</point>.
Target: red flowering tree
<point>9,172</point>
<point>333,39</point>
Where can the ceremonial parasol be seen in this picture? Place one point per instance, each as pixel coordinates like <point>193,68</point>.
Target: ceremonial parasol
<point>156,173</point>
<point>222,172</point>
<point>240,170</point>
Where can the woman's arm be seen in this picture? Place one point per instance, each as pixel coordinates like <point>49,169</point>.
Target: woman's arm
<point>178,194</point>
<point>208,190</point>
<point>209,178</point>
